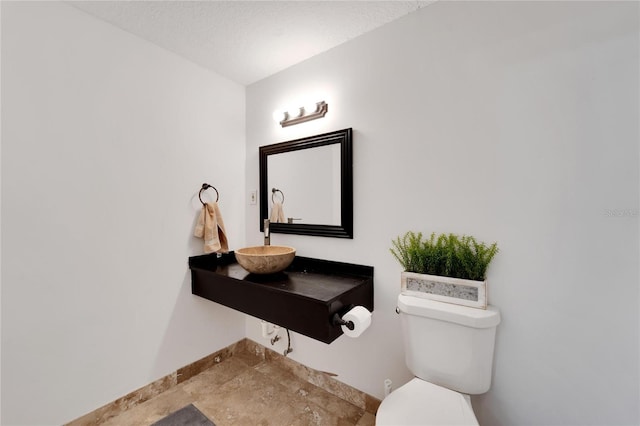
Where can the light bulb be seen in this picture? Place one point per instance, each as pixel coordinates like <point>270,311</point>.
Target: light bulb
<point>279,116</point>
<point>310,108</point>
<point>294,113</point>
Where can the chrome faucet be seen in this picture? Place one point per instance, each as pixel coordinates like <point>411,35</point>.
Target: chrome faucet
<point>267,238</point>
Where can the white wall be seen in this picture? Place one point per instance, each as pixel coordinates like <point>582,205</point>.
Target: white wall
<point>106,140</point>
<point>515,122</point>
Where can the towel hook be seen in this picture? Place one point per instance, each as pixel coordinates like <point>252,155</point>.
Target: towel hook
<point>206,186</point>
<point>273,193</point>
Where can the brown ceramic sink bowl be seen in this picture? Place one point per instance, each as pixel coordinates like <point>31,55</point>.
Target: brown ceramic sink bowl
<point>265,259</point>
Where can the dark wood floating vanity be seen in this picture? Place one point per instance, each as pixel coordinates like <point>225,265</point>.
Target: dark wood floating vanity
<point>303,298</point>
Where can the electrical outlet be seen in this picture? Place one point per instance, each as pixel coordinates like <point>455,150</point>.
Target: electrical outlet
<point>387,387</point>
<point>253,197</point>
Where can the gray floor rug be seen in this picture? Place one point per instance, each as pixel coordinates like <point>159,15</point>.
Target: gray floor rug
<point>187,416</point>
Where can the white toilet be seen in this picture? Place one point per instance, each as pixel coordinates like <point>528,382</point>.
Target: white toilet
<point>449,348</point>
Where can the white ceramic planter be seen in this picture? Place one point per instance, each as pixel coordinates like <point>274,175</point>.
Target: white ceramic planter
<point>445,289</point>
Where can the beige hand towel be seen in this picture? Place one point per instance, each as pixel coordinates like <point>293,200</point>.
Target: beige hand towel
<point>277,213</point>
<point>210,227</point>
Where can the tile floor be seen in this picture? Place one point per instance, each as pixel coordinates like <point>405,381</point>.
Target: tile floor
<point>248,390</point>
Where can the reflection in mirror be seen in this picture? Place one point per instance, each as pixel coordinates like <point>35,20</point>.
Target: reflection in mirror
<point>306,185</point>
<point>310,181</point>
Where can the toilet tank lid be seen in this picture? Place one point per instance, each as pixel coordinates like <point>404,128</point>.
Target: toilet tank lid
<point>470,317</point>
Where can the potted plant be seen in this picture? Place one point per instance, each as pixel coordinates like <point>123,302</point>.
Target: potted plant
<point>447,267</point>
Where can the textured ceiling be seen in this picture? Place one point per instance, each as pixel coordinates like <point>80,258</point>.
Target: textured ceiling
<point>247,41</point>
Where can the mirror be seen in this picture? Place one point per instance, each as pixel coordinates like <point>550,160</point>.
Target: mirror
<point>311,180</point>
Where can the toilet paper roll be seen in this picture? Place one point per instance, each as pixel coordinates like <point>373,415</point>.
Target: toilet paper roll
<point>361,319</point>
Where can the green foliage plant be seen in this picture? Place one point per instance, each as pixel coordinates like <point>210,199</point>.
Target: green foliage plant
<point>446,255</point>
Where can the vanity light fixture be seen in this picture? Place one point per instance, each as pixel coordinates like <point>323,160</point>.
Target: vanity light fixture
<point>301,114</point>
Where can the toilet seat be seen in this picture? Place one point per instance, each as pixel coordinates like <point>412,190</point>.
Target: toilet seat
<point>422,403</point>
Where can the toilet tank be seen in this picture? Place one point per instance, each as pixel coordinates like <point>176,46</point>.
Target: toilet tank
<point>449,345</point>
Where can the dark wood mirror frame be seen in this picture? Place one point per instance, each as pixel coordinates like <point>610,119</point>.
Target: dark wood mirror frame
<point>345,229</point>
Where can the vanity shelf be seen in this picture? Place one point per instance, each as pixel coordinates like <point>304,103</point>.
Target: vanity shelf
<point>303,298</point>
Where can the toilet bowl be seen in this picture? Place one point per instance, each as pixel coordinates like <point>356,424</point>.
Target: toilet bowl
<point>449,350</point>
<point>422,403</point>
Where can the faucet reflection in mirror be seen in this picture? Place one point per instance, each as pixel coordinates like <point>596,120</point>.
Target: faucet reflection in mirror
<point>301,114</point>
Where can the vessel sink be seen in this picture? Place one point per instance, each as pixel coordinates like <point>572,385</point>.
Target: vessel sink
<point>265,259</point>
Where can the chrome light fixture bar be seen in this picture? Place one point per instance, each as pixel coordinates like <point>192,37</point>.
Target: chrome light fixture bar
<point>302,114</point>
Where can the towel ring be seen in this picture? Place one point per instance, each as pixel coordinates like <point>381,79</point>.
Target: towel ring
<point>206,186</point>
<point>273,193</point>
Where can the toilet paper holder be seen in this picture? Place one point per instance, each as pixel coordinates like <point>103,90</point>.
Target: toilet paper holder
<point>337,320</point>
